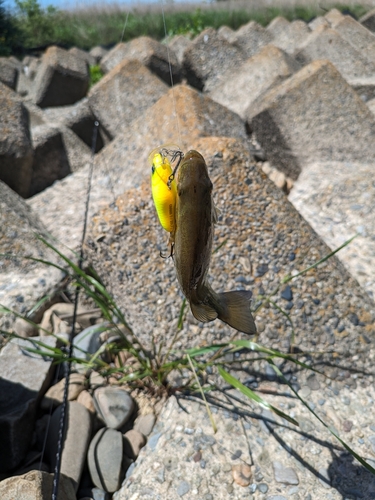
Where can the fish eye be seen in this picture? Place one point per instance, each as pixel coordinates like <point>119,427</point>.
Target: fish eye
<point>153,168</point>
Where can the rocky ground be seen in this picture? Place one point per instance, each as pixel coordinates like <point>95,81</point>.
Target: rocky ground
<point>284,109</point>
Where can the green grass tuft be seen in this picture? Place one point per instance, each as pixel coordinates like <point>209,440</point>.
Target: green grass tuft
<point>95,74</point>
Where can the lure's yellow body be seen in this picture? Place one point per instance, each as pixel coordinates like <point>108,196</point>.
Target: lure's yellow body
<point>164,195</point>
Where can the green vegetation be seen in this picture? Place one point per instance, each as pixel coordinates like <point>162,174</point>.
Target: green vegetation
<point>10,36</point>
<point>35,23</point>
<point>32,26</point>
<point>95,74</point>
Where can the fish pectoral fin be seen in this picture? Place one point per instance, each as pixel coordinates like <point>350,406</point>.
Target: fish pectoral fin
<point>236,311</point>
<point>203,312</point>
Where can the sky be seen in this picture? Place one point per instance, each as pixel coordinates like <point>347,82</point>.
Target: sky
<point>68,4</point>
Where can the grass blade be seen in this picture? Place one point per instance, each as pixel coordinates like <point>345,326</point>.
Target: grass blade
<point>203,396</point>
<point>316,264</point>
<point>346,446</point>
<point>253,396</point>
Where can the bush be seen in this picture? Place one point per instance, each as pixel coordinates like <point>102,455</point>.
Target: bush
<point>10,35</point>
<point>35,23</point>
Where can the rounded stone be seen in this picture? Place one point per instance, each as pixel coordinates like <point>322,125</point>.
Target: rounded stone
<point>106,460</point>
<point>134,441</point>
<point>183,488</point>
<point>145,423</point>
<point>114,405</point>
<point>78,432</point>
<point>55,394</point>
<point>87,401</point>
<point>242,474</point>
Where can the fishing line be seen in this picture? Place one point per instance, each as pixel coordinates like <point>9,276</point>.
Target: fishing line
<point>68,364</point>
<point>126,22</point>
<point>171,77</point>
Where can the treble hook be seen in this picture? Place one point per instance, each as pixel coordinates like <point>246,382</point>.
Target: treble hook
<point>170,255</point>
<point>180,156</point>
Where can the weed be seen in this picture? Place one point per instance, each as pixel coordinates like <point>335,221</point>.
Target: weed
<point>95,74</point>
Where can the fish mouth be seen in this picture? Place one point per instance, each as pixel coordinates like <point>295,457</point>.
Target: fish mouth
<point>192,154</point>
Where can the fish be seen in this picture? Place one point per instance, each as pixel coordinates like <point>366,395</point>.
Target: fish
<point>196,216</point>
<point>164,189</point>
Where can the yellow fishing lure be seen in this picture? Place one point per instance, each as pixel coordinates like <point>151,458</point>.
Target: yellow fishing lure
<point>164,190</point>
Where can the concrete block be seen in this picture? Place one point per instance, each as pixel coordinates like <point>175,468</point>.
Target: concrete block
<point>62,78</point>
<point>208,58</point>
<point>123,95</point>
<point>326,43</point>
<point>259,73</point>
<point>152,54</point>
<point>316,115</point>
<point>251,37</point>
<point>8,73</point>
<point>15,142</point>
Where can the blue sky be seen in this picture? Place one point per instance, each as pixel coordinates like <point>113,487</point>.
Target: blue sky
<point>68,4</point>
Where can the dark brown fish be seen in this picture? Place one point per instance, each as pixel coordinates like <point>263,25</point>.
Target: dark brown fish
<point>195,219</point>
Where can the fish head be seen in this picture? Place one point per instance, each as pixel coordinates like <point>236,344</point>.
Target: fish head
<point>193,179</point>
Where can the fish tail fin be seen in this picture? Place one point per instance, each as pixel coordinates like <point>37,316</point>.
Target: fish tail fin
<point>235,311</point>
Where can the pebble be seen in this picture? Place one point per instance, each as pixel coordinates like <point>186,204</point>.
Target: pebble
<point>87,342</point>
<point>304,392</point>
<point>24,329</point>
<point>285,475</point>
<point>261,270</point>
<point>242,474</point>
<point>78,425</point>
<point>106,461</point>
<point>287,293</point>
<point>160,478</point>
<point>347,425</point>
<point>97,380</point>
<point>133,443</point>
<point>183,488</point>
<point>153,441</point>
<point>263,487</point>
<point>270,373</point>
<point>313,383</point>
<point>55,394</point>
<point>87,401</point>
<point>114,405</point>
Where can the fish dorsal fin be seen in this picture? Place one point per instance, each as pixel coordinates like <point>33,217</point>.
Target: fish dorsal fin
<point>203,312</point>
